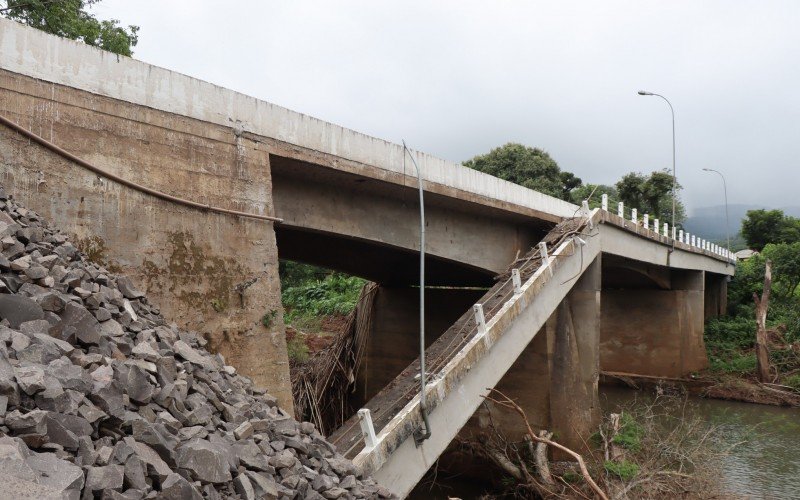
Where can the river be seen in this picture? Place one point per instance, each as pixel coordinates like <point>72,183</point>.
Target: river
<point>766,465</point>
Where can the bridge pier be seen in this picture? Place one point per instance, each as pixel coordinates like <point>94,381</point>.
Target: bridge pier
<point>555,378</point>
<point>655,332</point>
<point>393,342</point>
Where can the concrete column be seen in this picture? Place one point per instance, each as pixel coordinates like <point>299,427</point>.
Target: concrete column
<point>393,342</point>
<point>554,380</point>
<point>656,332</point>
<point>716,295</point>
<point>574,401</point>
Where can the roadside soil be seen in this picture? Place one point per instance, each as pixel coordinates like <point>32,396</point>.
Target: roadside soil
<point>322,336</point>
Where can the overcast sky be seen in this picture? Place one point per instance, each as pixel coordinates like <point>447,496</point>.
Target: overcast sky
<point>455,79</point>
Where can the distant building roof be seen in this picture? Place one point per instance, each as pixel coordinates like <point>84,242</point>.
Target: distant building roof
<point>745,254</point>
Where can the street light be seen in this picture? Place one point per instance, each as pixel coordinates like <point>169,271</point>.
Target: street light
<point>727,220</point>
<point>674,182</point>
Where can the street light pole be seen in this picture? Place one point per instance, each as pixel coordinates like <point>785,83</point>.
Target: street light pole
<point>674,179</point>
<point>727,220</point>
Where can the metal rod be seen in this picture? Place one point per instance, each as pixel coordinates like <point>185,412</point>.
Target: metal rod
<point>727,220</point>
<point>674,178</point>
<point>419,437</point>
<point>138,187</point>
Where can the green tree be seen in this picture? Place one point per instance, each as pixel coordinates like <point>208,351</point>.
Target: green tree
<point>651,194</point>
<point>529,167</point>
<point>70,19</point>
<point>762,227</point>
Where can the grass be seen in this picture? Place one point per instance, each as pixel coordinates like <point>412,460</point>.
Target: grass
<point>297,349</point>
<point>793,381</point>
<point>630,433</point>
<point>623,469</point>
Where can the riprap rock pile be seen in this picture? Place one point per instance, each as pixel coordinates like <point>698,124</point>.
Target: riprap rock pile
<point>100,398</point>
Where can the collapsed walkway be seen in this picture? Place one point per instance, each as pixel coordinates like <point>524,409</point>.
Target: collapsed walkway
<point>470,357</point>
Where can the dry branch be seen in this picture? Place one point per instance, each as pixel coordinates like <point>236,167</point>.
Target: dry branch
<point>508,403</point>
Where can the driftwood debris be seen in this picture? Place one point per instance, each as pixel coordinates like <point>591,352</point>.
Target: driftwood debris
<point>506,402</point>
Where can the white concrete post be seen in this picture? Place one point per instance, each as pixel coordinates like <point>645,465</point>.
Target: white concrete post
<point>515,278</point>
<point>367,429</point>
<point>666,229</point>
<point>673,232</point>
<point>604,202</point>
<point>680,236</point>
<point>545,257</point>
<point>634,216</point>
<point>646,221</point>
<point>586,212</point>
<point>621,210</point>
<point>655,225</point>
<point>480,319</point>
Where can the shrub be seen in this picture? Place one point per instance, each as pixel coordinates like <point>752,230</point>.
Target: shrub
<point>336,294</point>
<point>630,433</point>
<point>624,469</point>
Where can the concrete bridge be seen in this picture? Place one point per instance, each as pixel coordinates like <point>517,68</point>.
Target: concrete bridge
<point>622,298</point>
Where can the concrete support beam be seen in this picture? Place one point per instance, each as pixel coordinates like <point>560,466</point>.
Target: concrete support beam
<point>716,295</point>
<point>393,342</point>
<point>655,332</point>
<point>574,401</point>
<point>555,378</point>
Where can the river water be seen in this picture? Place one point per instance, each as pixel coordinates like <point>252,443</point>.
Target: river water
<point>766,464</point>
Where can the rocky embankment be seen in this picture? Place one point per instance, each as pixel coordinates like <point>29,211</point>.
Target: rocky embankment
<point>100,398</point>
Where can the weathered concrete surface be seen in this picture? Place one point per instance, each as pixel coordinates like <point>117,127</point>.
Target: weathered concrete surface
<point>574,400</point>
<point>716,295</point>
<point>655,332</point>
<point>320,200</point>
<point>555,378</point>
<point>188,261</point>
<point>393,342</point>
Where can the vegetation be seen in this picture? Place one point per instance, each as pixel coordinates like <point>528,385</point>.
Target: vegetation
<point>70,19</point>
<point>529,167</point>
<point>311,292</point>
<point>730,340</point>
<point>535,169</point>
<point>762,227</point>
<point>650,194</point>
<point>623,469</point>
<point>656,448</point>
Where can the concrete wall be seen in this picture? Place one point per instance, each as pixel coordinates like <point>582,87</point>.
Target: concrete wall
<point>655,332</point>
<point>189,262</point>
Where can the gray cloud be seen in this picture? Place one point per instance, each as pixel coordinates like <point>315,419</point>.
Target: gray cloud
<point>457,78</point>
